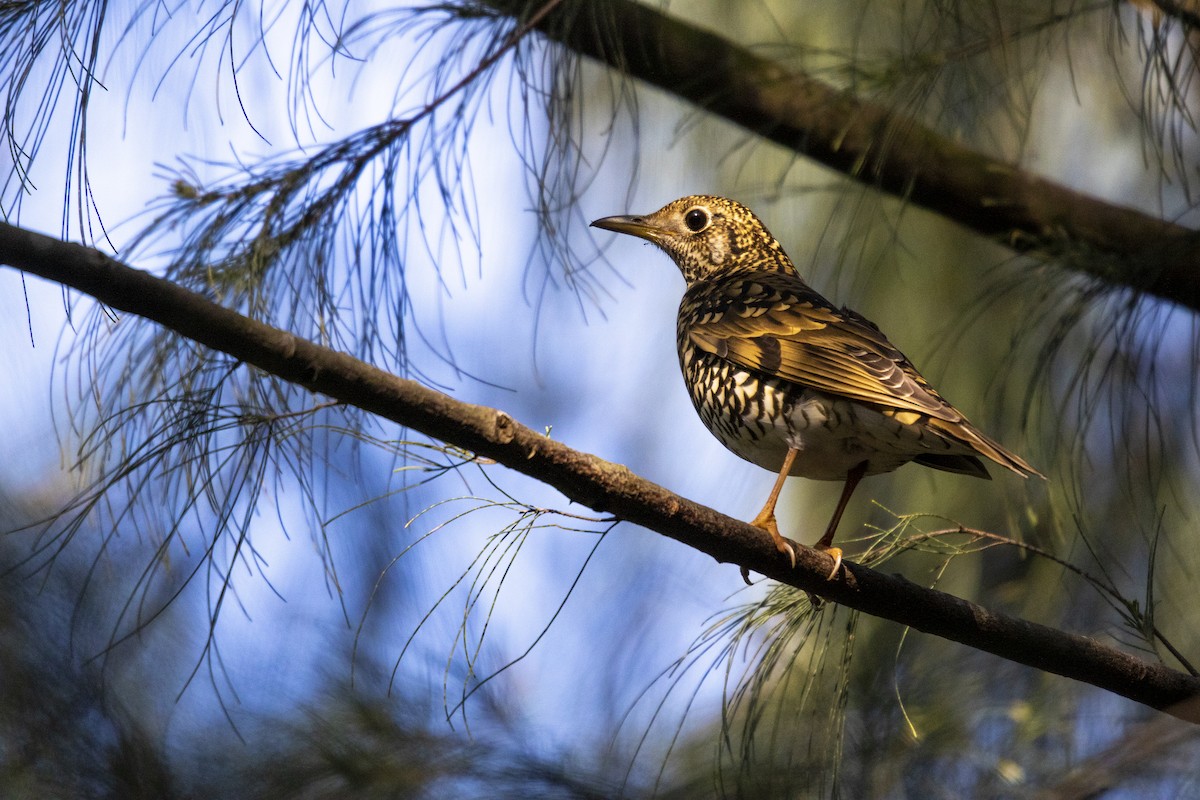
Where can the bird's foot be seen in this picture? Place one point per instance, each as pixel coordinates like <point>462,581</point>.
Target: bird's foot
<point>767,523</point>
<point>833,552</point>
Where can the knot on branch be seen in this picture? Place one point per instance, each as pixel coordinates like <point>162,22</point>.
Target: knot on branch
<point>505,428</point>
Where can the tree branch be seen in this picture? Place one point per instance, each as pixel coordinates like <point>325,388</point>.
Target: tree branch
<point>589,480</point>
<point>1180,11</point>
<point>868,142</point>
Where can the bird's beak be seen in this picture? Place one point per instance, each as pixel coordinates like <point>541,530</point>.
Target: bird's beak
<point>633,225</point>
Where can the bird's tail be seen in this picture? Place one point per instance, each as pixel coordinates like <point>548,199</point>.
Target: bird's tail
<point>983,444</point>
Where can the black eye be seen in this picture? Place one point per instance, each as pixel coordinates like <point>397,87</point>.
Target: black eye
<point>696,219</point>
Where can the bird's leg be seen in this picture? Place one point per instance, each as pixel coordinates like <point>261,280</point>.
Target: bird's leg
<point>826,543</point>
<point>766,518</point>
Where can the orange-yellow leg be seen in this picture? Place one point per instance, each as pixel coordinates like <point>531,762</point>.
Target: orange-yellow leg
<point>826,542</point>
<point>766,518</point>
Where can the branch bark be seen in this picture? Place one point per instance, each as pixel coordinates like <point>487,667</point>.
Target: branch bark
<point>1119,245</point>
<point>586,479</point>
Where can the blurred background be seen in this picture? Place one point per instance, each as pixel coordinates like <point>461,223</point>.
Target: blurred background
<point>216,586</point>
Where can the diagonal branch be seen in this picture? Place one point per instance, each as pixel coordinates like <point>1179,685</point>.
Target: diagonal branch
<point>589,480</point>
<point>1121,246</point>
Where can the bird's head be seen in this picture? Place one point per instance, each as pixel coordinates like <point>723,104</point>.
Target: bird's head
<point>706,236</point>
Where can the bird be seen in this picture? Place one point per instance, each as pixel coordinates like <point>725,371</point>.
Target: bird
<point>789,381</point>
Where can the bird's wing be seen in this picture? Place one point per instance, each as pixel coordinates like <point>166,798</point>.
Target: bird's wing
<point>776,325</point>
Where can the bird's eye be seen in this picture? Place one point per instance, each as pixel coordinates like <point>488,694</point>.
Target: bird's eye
<point>696,219</point>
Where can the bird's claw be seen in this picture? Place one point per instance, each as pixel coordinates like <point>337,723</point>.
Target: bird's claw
<point>766,522</point>
<point>785,547</point>
<point>836,554</point>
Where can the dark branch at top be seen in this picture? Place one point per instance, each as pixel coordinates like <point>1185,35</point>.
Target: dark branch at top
<point>1118,245</point>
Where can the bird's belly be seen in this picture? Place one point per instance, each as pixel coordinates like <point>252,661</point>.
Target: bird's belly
<point>761,419</point>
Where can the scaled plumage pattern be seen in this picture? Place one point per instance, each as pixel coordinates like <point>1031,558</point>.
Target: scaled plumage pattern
<point>787,380</point>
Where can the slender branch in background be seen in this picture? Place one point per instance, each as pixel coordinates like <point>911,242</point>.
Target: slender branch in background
<point>589,480</point>
<point>868,142</point>
<point>1143,749</point>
